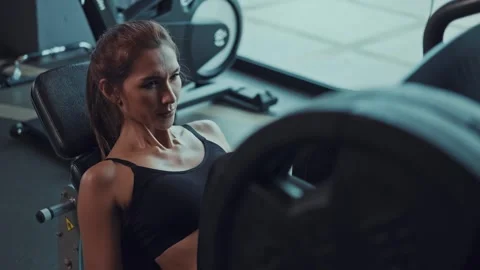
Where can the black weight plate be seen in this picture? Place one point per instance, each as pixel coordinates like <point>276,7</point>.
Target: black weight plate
<point>206,243</point>
<point>458,248</point>
<point>449,116</point>
<point>462,250</point>
<point>449,108</point>
<point>453,108</point>
<point>314,162</point>
<point>333,118</point>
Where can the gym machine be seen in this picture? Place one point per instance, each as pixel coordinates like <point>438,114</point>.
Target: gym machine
<point>207,34</point>
<point>393,182</point>
<point>442,17</point>
<point>450,65</point>
<point>401,189</point>
<point>401,162</point>
<point>17,76</point>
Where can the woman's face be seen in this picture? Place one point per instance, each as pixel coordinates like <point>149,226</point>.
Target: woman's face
<point>150,93</point>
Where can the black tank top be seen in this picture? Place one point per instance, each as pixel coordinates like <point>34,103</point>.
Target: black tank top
<point>164,208</point>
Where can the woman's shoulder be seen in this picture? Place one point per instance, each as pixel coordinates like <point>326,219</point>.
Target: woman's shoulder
<point>211,131</point>
<point>99,176</point>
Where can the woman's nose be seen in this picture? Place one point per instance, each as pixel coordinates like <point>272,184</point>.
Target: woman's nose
<point>168,97</point>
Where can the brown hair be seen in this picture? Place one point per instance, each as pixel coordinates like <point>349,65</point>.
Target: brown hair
<point>112,59</point>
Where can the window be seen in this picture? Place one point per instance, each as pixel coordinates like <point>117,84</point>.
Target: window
<point>349,44</point>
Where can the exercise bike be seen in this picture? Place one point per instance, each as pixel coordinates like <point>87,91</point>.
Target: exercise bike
<point>207,33</point>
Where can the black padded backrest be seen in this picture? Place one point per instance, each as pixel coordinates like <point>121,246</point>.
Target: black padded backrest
<point>58,97</point>
<point>453,65</point>
<point>81,164</point>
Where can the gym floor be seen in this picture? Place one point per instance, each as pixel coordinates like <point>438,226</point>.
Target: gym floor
<point>350,44</point>
<point>32,178</point>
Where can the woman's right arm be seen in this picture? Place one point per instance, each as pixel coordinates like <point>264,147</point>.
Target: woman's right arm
<point>99,220</point>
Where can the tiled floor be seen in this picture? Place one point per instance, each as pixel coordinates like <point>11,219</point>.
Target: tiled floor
<point>350,44</point>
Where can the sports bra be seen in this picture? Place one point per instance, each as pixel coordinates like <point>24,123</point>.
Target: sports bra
<point>164,208</point>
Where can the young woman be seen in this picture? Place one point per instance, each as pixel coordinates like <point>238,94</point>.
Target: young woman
<point>139,207</point>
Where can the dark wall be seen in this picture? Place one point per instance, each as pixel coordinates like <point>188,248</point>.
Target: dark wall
<point>17,25</point>
<point>33,25</point>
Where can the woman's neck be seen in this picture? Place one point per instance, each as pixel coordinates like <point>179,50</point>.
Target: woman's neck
<point>136,137</point>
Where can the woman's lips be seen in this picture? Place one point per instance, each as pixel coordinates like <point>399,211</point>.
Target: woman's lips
<point>166,114</point>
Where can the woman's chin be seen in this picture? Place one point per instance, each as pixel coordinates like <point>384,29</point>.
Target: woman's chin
<point>164,123</point>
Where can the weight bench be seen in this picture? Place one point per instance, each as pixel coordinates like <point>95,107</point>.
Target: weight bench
<point>58,97</point>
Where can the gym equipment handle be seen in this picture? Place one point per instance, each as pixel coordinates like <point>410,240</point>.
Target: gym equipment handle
<point>138,8</point>
<point>439,21</point>
<point>51,212</point>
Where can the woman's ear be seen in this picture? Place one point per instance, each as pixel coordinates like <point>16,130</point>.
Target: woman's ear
<point>108,91</point>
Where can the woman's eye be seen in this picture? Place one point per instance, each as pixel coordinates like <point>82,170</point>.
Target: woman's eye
<point>151,85</point>
<point>175,76</point>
